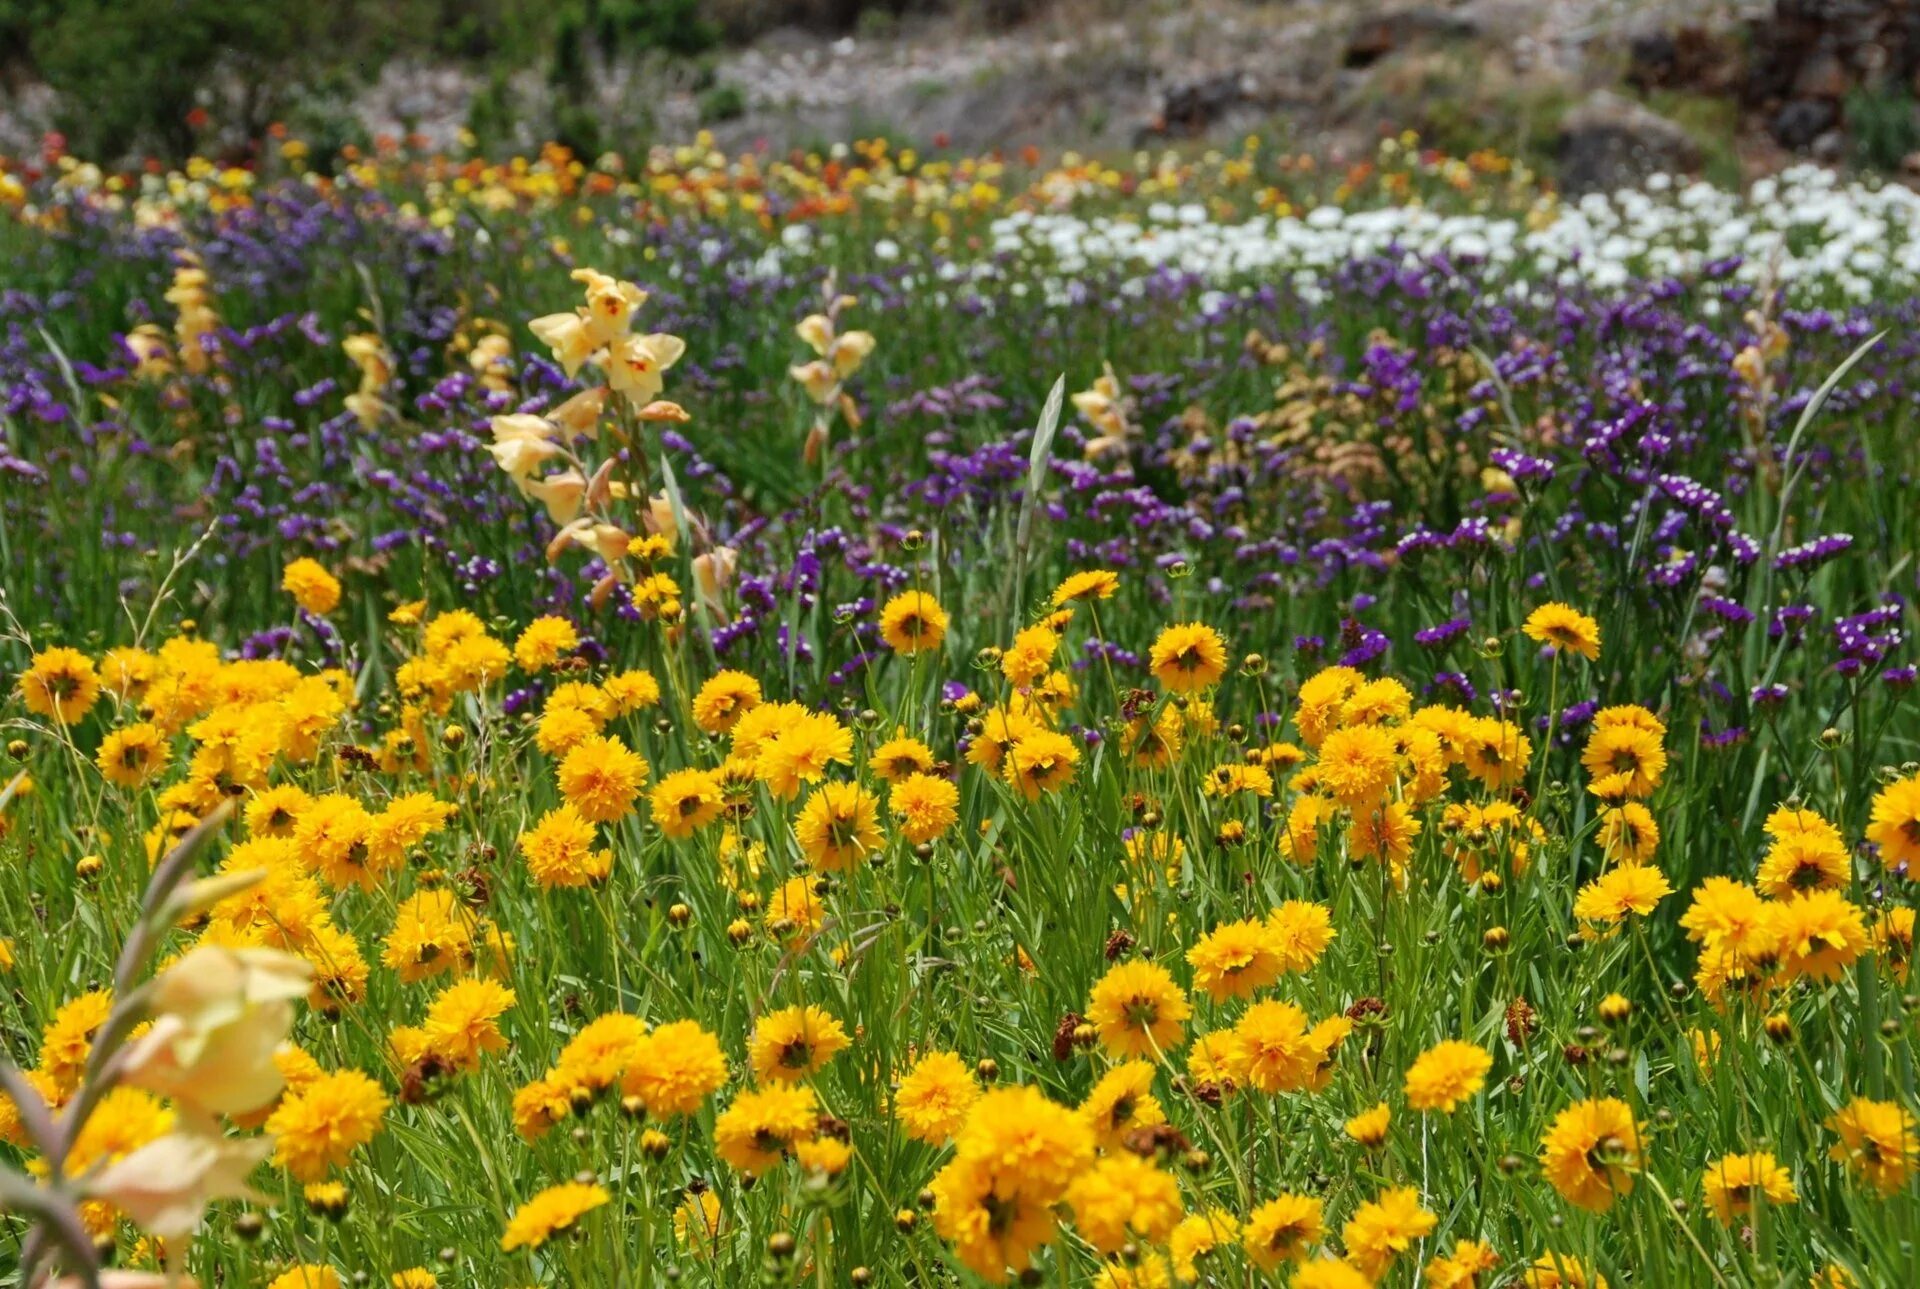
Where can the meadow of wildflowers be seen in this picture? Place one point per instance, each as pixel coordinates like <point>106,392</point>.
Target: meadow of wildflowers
<point>912,720</point>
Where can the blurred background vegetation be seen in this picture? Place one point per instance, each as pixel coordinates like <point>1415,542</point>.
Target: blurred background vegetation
<point>129,73</point>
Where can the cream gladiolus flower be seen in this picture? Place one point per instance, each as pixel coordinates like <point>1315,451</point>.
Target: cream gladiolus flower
<point>581,413</point>
<point>562,494</point>
<point>166,1185</point>
<point>610,304</point>
<point>522,444</point>
<point>635,364</point>
<point>569,337</point>
<point>818,379</point>
<point>218,1017</point>
<point>847,352</point>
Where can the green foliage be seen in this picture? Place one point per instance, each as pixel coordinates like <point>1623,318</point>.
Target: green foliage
<point>1885,123</point>
<point>722,103</point>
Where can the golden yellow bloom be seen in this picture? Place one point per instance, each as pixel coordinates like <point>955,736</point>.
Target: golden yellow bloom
<point>1138,1009</point>
<point>319,1126</point>
<point>913,622</point>
<point>1591,1152</point>
<point>935,1097</point>
<point>1446,1074</point>
<point>685,801</point>
<point>1879,1141</point>
<point>544,642</point>
<point>1040,761</point>
<point>312,587</point>
<point>1735,1183</point>
<point>752,1133</point>
<point>1369,1127</point>
<point>1121,1102</point>
<point>559,851</point>
<point>1122,1198</point>
<point>1093,584</point>
<point>1564,630</point>
<point>1284,1229</point>
<point>1385,1227</point>
<point>1188,657</point>
<point>600,777</point>
<point>795,1042</point>
<point>925,805</point>
<point>838,827</point>
<point>552,1211</point>
<point>132,756</point>
<point>60,683</point>
<point>723,700</point>
<point>1236,960</point>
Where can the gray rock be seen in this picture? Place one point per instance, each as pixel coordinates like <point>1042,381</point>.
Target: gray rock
<point>1610,142</point>
<point>1802,121</point>
<point>1375,38</point>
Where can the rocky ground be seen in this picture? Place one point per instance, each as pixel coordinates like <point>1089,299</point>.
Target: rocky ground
<point>1603,89</point>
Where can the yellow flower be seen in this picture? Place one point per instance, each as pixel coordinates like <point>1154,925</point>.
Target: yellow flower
<point>1194,1239</point>
<point>312,587</point>
<point>600,776</point>
<point>899,757</point>
<point>552,1211</point>
<point>723,700</point>
<point>1628,833</point>
<point>1093,584</point>
<point>1879,1141</point>
<point>1330,1273</point>
<point>1358,765</point>
<point>1564,630</point>
<point>1236,960</point>
<point>1734,1183</point>
<point>926,806</point>
<point>307,1275</point>
<point>800,752</point>
<point>1122,1101</point>
<point>1040,761</point>
<point>679,1066</point>
<point>1284,1229</point>
<point>1895,827</point>
<point>1622,891</point>
<point>1591,1152</point>
<point>1462,1268</point>
<point>635,365</point>
<point>1012,1161</point>
<point>826,1156</point>
<point>559,851</point>
<point>913,622</point>
<point>1446,1074</point>
<point>838,827</point>
<point>1138,1009</point>
<point>795,1042</point>
<point>1385,1227</point>
<point>463,1022</point>
<point>1819,934</point>
<point>60,683</point>
<point>1624,760</point>
<point>1188,657</point>
<point>1561,1271</point>
<point>319,1126</point>
<point>1369,1127</point>
<point>544,642</point>
<point>1121,1198</point>
<point>762,1123</point>
<point>1301,931</point>
<point>685,801</point>
<point>131,756</point>
<point>935,1097</point>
